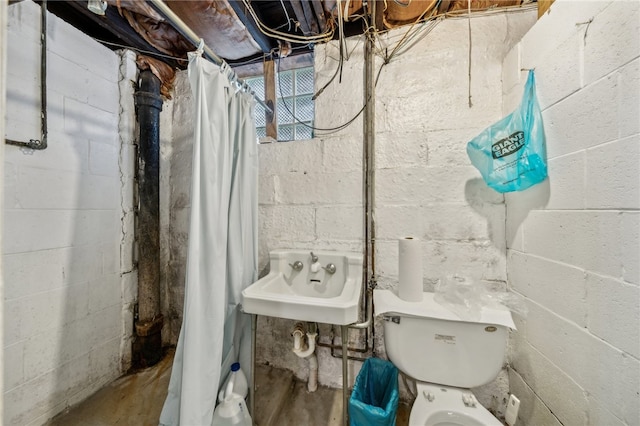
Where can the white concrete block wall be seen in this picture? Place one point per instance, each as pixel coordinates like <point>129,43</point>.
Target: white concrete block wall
<point>572,242</point>
<point>63,220</point>
<point>311,191</point>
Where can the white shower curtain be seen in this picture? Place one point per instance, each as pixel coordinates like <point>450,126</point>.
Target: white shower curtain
<point>223,252</point>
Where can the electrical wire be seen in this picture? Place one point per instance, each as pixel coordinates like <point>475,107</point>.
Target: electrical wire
<point>263,57</point>
<point>409,39</point>
<point>419,33</point>
<point>479,13</point>
<point>331,129</point>
<point>146,52</point>
<point>183,59</point>
<point>333,77</point>
<point>395,49</point>
<point>287,15</point>
<point>327,35</point>
<point>418,36</point>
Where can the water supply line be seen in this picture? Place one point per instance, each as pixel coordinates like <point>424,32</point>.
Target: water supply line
<point>41,143</point>
<point>368,170</point>
<point>368,177</point>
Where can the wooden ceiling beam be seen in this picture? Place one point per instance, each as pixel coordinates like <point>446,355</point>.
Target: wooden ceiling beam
<point>265,43</point>
<point>111,27</point>
<point>309,15</point>
<point>319,11</point>
<point>300,16</point>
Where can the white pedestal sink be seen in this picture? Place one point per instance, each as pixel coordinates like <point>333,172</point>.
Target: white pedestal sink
<point>311,293</point>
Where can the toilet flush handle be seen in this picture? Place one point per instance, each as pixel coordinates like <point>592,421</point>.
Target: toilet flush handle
<point>392,318</point>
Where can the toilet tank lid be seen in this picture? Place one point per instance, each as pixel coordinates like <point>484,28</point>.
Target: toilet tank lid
<point>387,302</point>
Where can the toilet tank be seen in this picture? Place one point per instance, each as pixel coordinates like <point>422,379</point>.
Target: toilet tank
<point>432,344</point>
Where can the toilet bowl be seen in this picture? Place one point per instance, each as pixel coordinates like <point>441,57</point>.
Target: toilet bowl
<point>438,405</point>
<point>445,355</point>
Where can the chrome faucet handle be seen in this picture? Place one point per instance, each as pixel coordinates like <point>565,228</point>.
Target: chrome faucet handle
<point>330,268</point>
<point>314,258</point>
<point>296,266</point>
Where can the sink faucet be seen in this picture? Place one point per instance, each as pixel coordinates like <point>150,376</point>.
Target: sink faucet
<point>315,265</point>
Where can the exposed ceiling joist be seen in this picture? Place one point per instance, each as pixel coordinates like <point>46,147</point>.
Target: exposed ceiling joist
<point>265,43</point>
<point>111,27</point>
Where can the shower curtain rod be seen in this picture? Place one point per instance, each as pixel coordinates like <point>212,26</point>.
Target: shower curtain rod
<point>161,7</point>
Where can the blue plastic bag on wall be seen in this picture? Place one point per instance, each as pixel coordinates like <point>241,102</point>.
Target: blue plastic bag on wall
<point>511,154</point>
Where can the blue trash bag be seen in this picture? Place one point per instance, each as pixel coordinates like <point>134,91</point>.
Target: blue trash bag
<point>374,400</point>
<point>511,154</point>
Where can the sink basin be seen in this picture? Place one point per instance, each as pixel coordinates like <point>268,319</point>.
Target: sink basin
<point>306,295</point>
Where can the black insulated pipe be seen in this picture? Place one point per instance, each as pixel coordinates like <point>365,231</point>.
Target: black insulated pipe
<point>147,347</point>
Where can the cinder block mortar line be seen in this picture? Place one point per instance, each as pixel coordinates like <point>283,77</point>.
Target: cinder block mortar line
<point>57,367</point>
<point>569,265</point>
<point>587,210</point>
<point>583,87</point>
<point>584,329</point>
<point>60,209</point>
<point>54,289</point>
<point>534,392</point>
<point>94,243</point>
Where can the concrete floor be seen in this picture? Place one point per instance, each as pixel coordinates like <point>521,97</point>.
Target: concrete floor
<point>135,399</point>
<point>281,400</point>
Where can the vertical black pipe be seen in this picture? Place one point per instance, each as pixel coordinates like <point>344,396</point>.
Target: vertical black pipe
<point>147,348</point>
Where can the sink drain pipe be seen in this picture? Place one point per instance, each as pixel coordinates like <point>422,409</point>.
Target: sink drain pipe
<point>147,347</point>
<point>307,351</point>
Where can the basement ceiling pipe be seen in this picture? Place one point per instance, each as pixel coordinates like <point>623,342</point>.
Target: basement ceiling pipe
<point>147,347</point>
<point>179,25</point>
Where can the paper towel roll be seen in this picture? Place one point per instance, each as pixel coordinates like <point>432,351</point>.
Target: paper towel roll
<point>410,269</point>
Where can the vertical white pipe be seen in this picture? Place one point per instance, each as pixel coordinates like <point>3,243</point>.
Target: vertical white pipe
<point>312,384</point>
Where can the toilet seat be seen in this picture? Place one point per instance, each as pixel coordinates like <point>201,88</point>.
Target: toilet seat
<point>438,405</point>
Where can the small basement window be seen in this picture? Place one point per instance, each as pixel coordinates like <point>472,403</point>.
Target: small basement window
<point>294,104</point>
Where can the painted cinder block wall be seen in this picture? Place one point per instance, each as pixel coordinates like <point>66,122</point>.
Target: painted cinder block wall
<point>573,242</point>
<point>311,191</point>
<point>65,329</point>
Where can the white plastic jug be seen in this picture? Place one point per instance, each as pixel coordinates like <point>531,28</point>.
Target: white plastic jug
<point>239,380</point>
<point>232,411</point>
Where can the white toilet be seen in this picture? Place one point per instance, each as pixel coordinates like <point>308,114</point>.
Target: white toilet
<point>445,355</point>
